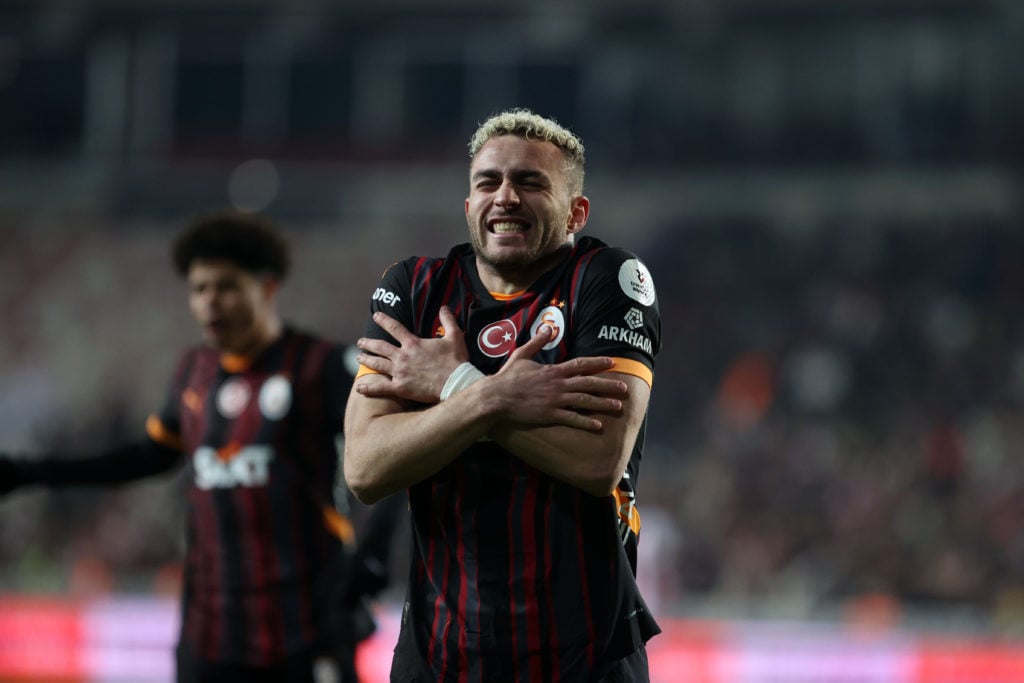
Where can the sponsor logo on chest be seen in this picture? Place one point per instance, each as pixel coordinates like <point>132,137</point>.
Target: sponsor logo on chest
<point>228,468</point>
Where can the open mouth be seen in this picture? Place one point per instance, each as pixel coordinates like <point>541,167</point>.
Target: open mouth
<point>508,228</point>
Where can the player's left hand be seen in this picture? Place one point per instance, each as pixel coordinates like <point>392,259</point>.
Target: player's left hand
<point>417,368</point>
<point>569,393</point>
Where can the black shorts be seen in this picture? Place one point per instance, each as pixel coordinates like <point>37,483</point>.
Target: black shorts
<point>630,669</point>
<point>298,668</point>
<point>406,667</point>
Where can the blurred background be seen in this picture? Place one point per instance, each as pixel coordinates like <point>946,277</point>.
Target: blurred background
<point>828,194</point>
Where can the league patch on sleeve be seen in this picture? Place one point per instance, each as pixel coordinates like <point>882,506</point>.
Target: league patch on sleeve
<point>636,281</point>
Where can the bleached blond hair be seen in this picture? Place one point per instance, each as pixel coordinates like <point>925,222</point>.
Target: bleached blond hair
<point>531,126</point>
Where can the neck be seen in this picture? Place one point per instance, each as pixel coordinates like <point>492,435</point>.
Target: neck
<point>268,333</point>
<point>504,279</point>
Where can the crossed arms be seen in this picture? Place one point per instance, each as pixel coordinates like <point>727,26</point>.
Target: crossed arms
<point>576,421</point>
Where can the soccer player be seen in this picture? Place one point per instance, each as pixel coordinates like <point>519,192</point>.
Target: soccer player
<point>273,586</point>
<point>506,387</point>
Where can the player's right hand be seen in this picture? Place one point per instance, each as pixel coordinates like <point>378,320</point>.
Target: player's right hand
<point>416,369</point>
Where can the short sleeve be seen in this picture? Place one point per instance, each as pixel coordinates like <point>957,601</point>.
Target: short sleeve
<point>617,312</point>
<point>164,427</point>
<point>392,296</point>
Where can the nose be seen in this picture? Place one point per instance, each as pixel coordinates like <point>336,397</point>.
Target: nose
<point>506,196</point>
<point>204,300</point>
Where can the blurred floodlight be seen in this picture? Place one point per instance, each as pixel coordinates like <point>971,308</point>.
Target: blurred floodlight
<point>818,377</point>
<point>253,185</point>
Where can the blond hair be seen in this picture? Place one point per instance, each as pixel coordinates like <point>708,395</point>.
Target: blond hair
<point>530,126</point>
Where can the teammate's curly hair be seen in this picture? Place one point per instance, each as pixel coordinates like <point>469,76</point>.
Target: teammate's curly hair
<point>531,126</point>
<point>251,241</point>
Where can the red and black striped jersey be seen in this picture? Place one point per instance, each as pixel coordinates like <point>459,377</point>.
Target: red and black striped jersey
<point>259,440</point>
<point>517,576</point>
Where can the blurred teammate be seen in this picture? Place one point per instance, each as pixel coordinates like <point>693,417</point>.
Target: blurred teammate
<point>274,589</point>
<point>506,386</point>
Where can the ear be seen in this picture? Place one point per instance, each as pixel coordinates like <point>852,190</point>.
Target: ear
<point>270,287</point>
<point>579,212</point>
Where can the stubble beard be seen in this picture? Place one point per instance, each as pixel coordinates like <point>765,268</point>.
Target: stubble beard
<point>524,264</point>
<point>506,260</point>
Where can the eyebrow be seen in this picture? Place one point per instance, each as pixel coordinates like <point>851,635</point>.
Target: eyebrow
<point>518,175</point>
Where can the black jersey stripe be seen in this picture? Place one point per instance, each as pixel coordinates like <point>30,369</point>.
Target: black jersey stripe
<point>255,608</point>
<point>575,282</point>
<point>424,272</point>
<point>291,533</point>
<point>232,624</point>
<point>585,594</point>
<point>547,616</point>
<point>222,558</point>
<point>436,569</point>
<point>528,534</point>
<point>518,627</point>
<point>455,283</point>
<point>247,628</point>
<point>465,531</point>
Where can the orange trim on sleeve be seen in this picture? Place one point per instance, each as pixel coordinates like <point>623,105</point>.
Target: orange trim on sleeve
<point>627,511</point>
<point>363,370</point>
<point>339,525</point>
<point>633,367</point>
<point>156,430</point>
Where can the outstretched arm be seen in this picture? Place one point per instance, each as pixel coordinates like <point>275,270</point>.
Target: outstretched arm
<point>119,465</point>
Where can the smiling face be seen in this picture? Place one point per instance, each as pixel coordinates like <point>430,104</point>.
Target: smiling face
<point>520,210</point>
<point>234,308</point>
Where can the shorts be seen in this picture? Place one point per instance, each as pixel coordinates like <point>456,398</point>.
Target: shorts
<point>299,668</point>
<point>630,669</point>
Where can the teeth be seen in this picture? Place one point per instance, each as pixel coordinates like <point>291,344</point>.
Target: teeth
<point>508,227</point>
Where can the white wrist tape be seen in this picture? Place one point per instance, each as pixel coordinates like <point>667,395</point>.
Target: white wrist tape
<point>461,377</point>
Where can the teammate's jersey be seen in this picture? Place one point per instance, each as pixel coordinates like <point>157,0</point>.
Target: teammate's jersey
<point>259,441</point>
<point>517,576</point>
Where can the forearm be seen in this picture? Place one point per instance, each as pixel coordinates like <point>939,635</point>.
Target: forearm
<point>593,461</point>
<point>387,450</point>
<point>118,465</point>
<point>586,460</point>
<point>564,419</point>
